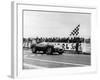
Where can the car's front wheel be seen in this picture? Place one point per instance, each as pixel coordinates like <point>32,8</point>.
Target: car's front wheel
<point>60,53</point>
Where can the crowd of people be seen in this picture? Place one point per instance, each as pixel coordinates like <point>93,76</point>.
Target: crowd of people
<point>58,39</point>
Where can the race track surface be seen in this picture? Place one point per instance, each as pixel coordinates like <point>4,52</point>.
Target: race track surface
<point>41,61</point>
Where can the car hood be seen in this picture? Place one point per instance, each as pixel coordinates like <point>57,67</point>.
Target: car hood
<point>42,44</point>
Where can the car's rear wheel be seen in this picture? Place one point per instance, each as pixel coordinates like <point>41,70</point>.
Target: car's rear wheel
<point>33,50</point>
<point>49,51</point>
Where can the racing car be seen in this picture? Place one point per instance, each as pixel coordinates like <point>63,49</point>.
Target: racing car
<point>47,48</point>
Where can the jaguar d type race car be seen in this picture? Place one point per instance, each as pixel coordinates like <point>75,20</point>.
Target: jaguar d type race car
<point>46,48</point>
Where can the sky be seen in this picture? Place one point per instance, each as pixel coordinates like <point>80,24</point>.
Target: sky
<point>55,24</point>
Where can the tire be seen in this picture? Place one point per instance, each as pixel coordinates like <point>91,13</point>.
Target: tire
<point>60,53</point>
<point>49,51</point>
<point>33,50</point>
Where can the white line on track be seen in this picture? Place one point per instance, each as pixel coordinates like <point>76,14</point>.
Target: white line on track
<point>56,62</point>
<point>34,66</point>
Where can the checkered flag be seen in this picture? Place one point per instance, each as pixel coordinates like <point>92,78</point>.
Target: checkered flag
<point>75,32</point>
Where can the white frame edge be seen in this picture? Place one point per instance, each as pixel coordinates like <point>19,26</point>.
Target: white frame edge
<point>14,68</point>
<point>16,56</point>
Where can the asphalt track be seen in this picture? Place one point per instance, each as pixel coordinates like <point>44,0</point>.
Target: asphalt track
<point>42,61</point>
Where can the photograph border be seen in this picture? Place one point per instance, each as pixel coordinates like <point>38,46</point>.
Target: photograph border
<point>17,33</point>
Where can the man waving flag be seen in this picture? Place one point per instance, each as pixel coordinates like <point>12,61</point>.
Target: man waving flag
<point>75,33</point>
